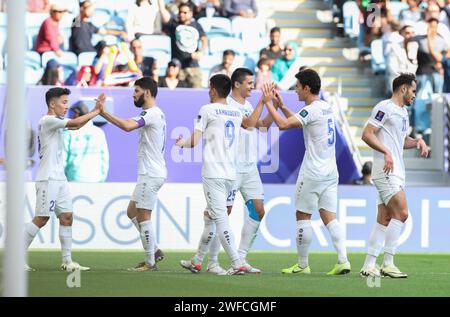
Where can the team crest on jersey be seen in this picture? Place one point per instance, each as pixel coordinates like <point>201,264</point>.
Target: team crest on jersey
<point>303,113</point>
<point>380,115</point>
<point>143,113</point>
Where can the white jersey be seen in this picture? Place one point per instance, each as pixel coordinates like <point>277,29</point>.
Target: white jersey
<point>393,122</point>
<point>50,147</point>
<point>152,142</point>
<point>247,150</point>
<point>220,125</point>
<point>319,133</point>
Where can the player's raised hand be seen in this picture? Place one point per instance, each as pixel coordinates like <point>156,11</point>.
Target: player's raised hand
<point>267,91</point>
<point>278,99</point>
<point>422,147</point>
<point>100,102</point>
<point>179,142</point>
<point>388,163</point>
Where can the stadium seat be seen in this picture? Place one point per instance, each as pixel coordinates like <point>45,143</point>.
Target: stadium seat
<point>351,19</point>
<point>216,27</point>
<point>32,60</point>
<point>66,21</point>
<point>65,33</point>
<point>396,7</point>
<point>123,5</point>
<point>86,58</point>
<point>152,43</point>
<point>35,20</point>
<point>32,33</point>
<point>96,38</point>
<point>100,17</point>
<point>378,61</point>
<point>33,75</point>
<point>162,59</point>
<point>68,59</point>
<point>242,25</point>
<point>108,6</point>
<point>219,44</point>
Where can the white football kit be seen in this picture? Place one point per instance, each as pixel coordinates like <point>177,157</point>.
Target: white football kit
<point>220,126</point>
<point>318,177</point>
<point>52,189</point>
<point>393,122</point>
<point>152,171</point>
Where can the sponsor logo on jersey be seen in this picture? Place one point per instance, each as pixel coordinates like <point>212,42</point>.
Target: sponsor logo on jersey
<point>143,113</point>
<point>380,115</point>
<point>303,113</point>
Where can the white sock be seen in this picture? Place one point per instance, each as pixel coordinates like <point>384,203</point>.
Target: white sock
<point>214,250</point>
<point>248,235</point>
<point>393,232</point>
<point>65,236</point>
<point>337,236</point>
<point>148,241</point>
<point>208,235</point>
<point>227,241</point>
<point>303,238</point>
<point>136,224</point>
<point>375,244</point>
<point>31,230</point>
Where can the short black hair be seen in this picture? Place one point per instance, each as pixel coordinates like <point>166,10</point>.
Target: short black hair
<point>275,29</point>
<point>55,92</point>
<point>367,168</point>
<point>403,79</point>
<point>229,52</point>
<point>309,77</point>
<point>186,4</point>
<point>239,75</point>
<point>147,83</point>
<point>432,19</point>
<point>222,84</point>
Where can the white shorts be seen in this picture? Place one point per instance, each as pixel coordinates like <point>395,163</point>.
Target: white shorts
<point>250,186</point>
<point>387,187</point>
<point>216,191</point>
<point>52,197</point>
<point>146,192</point>
<point>312,195</point>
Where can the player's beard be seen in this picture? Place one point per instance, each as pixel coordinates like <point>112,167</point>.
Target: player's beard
<point>140,102</point>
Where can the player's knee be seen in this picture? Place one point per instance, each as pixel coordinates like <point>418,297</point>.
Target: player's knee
<point>229,208</point>
<point>255,211</point>
<point>66,219</point>
<point>40,221</point>
<point>402,215</point>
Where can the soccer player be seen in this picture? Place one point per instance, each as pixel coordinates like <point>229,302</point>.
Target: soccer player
<point>219,123</point>
<point>387,133</point>
<point>318,177</point>
<point>152,170</point>
<point>248,181</point>
<point>52,189</point>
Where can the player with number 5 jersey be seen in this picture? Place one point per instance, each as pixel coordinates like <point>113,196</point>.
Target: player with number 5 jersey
<point>317,181</point>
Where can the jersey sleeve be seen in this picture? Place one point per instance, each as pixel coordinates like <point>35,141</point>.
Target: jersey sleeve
<point>144,119</point>
<point>53,123</point>
<point>305,116</point>
<point>202,120</point>
<point>378,116</point>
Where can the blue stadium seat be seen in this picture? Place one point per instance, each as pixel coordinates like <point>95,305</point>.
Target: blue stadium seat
<point>32,60</point>
<point>96,38</point>
<point>32,33</point>
<point>206,63</point>
<point>152,43</point>
<point>219,44</point>
<point>68,59</point>
<point>108,6</point>
<point>100,17</point>
<point>65,33</point>
<point>351,19</point>
<point>216,27</point>
<point>243,25</point>
<point>86,58</point>
<point>378,61</point>
<point>396,7</point>
<point>162,59</point>
<point>33,75</point>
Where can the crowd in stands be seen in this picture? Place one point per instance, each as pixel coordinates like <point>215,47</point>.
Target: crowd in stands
<point>87,43</point>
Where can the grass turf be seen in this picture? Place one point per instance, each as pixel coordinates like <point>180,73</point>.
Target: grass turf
<point>429,275</point>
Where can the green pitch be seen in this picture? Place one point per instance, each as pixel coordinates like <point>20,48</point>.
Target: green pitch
<point>429,275</point>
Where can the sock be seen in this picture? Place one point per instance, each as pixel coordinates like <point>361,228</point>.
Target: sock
<point>214,250</point>
<point>227,241</point>
<point>337,236</point>
<point>31,230</point>
<point>65,236</point>
<point>136,224</point>
<point>303,239</point>
<point>393,232</point>
<point>375,244</point>
<point>248,235</point>
<point>209,232</point>
<point>148,241</point>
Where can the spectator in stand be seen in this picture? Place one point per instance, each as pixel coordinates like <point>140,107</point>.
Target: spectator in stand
<point>283,63</point>
<point>53,74</point>
<point>101,59</point>
<point>85,155</point>
<point>82,30</point>
<point>366,172</point>
<point>446,66</point>
<point>38,6</point>
<point>226,67</point>
<point>413,14</point>
<point>432,11</point>
<point>274,50</point>
<point>444,16</point>
<point>86,76</point>
<point>207,8</point>
<point>401,57</point>
<point>185,34</point>
<point>146,65</point>
<point>171,80</point>
<point>264,74</point>
<point>240,8</point>
<point>49,38</point>
<point>141,18</point>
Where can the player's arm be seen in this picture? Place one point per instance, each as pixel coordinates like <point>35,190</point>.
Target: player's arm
<point>282,123</point>
<point>369,136</point>
<point>278,101</point>
<point>252,120</point>
<point>165,14</point>
<point>77,123</point>
<point>190,142</point>
<point>411,143</point>
<point>126,125</point>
